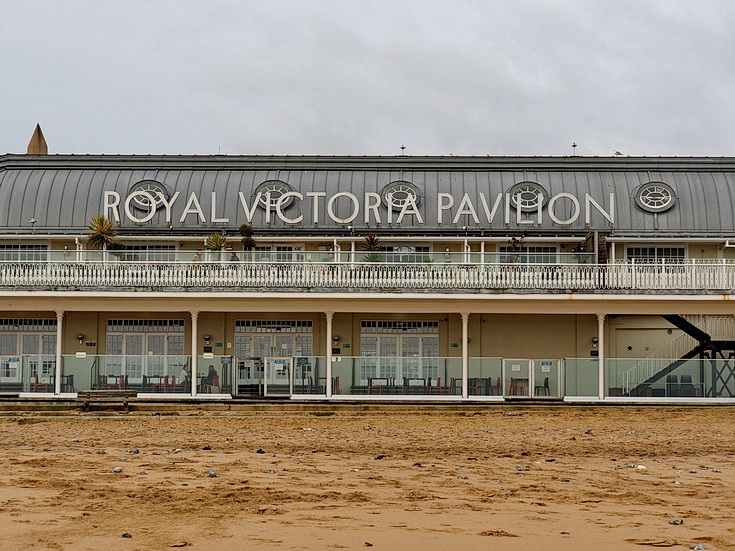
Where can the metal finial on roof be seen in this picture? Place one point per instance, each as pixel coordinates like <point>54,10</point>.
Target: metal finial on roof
<point>403,148</point>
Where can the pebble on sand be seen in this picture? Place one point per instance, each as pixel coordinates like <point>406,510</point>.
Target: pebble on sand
<point>117,469</point>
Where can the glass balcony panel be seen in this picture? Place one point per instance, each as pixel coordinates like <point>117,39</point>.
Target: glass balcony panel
<point>396,376</point>
<point>309,375</point>
<point>144,374</point>
<point>670,378</point>
<point>485,377</point>
<point>581,377</point>
<point>215,374</point>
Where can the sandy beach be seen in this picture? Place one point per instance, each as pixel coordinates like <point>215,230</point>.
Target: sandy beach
<point>606,478</point>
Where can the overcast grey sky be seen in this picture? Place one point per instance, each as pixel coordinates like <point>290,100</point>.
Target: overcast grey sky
<point>344,77</point>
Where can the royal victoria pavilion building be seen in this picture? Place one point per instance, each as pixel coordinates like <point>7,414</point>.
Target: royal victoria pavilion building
<point>369,278</point>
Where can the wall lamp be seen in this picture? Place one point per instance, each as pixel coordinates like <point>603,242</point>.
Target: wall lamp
<point>595,340</point>
<point>336,339</point>
<point>80,338</point>
<point>207,338</point>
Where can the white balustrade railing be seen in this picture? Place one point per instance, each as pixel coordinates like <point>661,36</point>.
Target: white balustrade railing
<point>369,276</point>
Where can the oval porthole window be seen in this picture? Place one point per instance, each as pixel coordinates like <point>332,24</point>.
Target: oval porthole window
<point>271,192</point>
<point>154,188</point>
<point>526,196</point>
<point>396,194</point>
<point>655,197</point>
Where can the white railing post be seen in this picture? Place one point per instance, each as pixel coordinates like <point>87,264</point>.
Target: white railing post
<point>194,337</point>
<point>59,344</point>
<point>601,355</point>
<point>465,354</point>
<point>329,316</point>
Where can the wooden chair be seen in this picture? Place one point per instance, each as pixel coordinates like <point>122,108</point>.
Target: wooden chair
<point>157,387</point>
<point>438,387</point>
<point>516,389</point>
<point>209,387</point>
<point>174,386</point>
<point>335,386</point>
<point>474,386</point>
<point>37,384</point>
<point>495,389</point>
<point>374,387</point>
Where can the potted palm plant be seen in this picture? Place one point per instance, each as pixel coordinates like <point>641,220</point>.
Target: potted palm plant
<point>215,242</point>
<point>248,241</point>
<point>373,247</point>
<point>102,232</point>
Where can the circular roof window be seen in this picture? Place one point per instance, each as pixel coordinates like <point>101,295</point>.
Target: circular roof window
<point>396,194</point>
<point>142,202</point>
<point>526,196</point>
<point>655,197</point>
<point>273,189</point>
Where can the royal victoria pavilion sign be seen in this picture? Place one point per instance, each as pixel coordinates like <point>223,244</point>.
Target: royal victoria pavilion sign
<point>398,203</point>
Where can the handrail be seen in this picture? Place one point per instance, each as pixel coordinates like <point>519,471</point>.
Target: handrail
<point>642,278</point>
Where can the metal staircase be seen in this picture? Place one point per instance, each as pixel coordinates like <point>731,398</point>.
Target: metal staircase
<point>703,337</point>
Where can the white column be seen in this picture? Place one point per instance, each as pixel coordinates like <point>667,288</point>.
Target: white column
<point>59,344</point>
<point>465,354</point>
<point>601,354</point>
<point>330,316</point>
<point>194,337</point>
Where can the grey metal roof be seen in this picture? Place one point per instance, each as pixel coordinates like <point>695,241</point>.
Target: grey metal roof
<point>63,192</point>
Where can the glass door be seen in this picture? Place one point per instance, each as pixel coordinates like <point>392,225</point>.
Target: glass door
<point>133,368</point>
<point>39,353</point>
<point>10,366</point>
<point>277,364</point>
<point>249,366</point>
